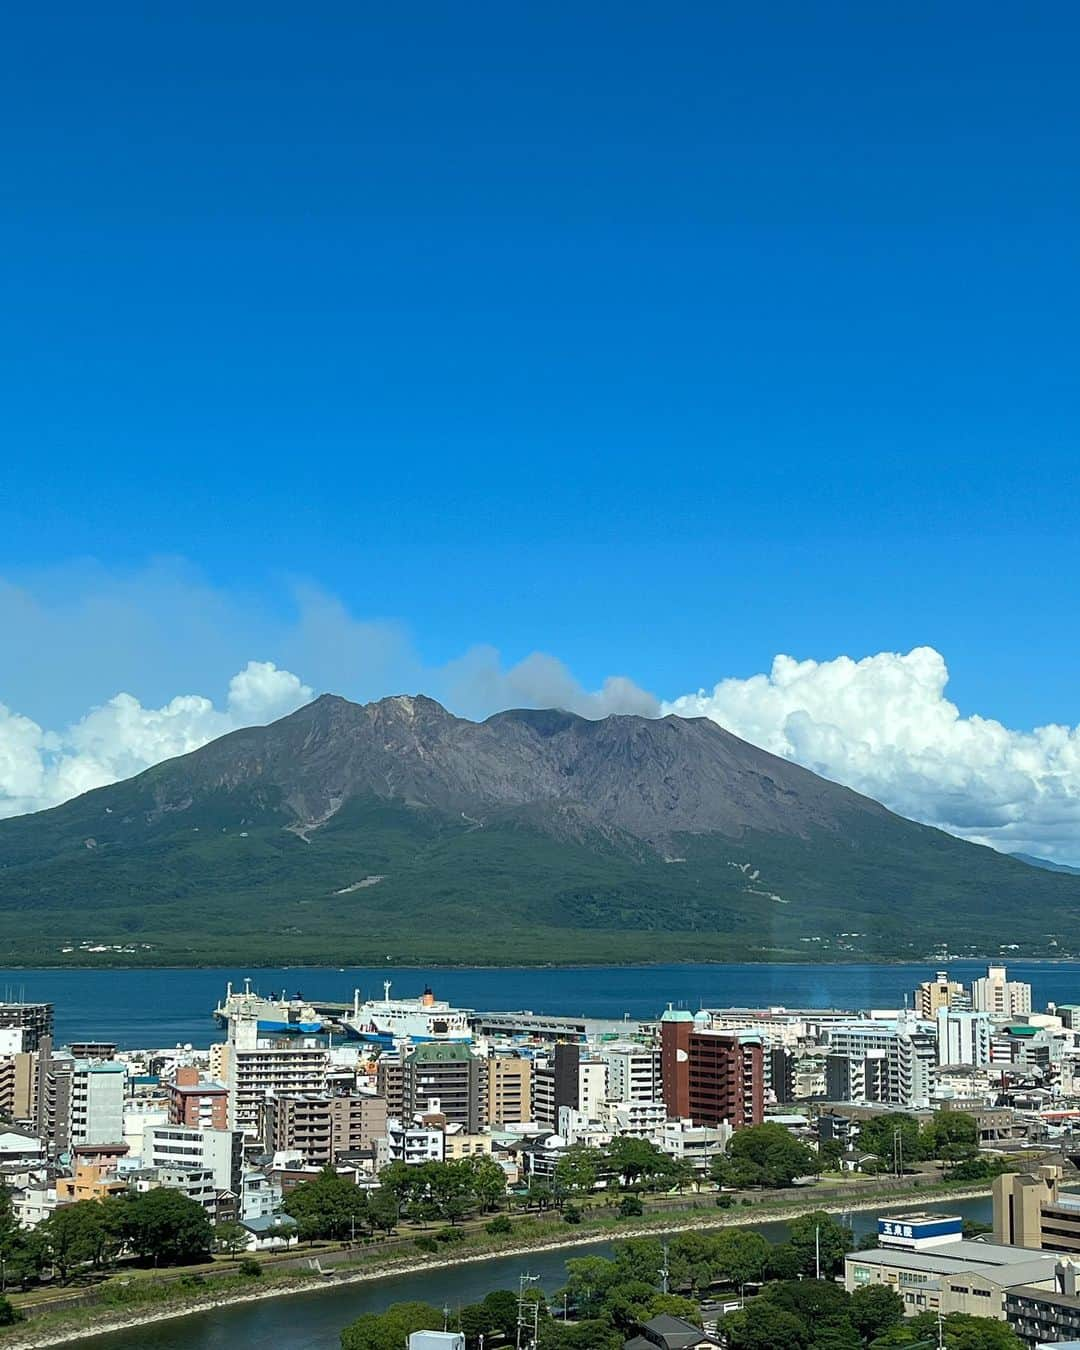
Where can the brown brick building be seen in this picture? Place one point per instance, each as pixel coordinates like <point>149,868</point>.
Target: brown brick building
<point>710,1076</point>
<point>194,1102</point>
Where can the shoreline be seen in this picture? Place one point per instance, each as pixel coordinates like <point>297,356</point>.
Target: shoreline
<point>306,1285</point>
<point>765,960</point>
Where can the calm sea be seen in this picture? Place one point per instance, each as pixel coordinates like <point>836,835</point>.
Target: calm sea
<point>159,1008</point>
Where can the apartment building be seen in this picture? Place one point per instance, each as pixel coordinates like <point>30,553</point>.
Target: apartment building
<point>999,996</point>
<point>449,1072</point>
<point>633,1071</point>
<point>318,1127</point>
<point>34,1020</point>
<point>257,1070</point>
<point>197,1101</point>
<point>889,1060</point>
<point>509,1089</point>
<point>941,992</point>
<point>963,1037</point>
<point>190,1147</point>
<point>96,1102</point>
<point>711,1076</point>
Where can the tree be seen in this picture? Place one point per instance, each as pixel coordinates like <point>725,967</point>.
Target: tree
<point>764,1155</point>
<point>400,1180</point>
<point>960,1331</point>
<point>875,1309</point>
<point>675,1305</point>
<point>835,1333</point>
<point>382,1207</point>
<point>588,1279</point>
<point>761,1325</point>
<point>964,1332</point>
<point>164,1226</point>
<point>501,1307</point>
<point>539,1193</point>
<point>950,1135</point>
<point>577,1171</point>
<point>76,1235</point>
<point>25,1255</point>
<point>391,1329</point>
<point>830,1152</point>
<point>637,1159</point>
<point>813,1302</point>
<point>692,1261</point>
<point>628,1304</point>
<point>488,1181</point>
<point>741,1256</point>
<point>331,1206</point>
<point>591,1334</point>
<point>8,1314</point>
<point>879,1135</point>
<point>630,1207</point>
<point>638,1260</point>
<point>819,1233</point>
<point>230,1238</point>
<point>474,1321</point>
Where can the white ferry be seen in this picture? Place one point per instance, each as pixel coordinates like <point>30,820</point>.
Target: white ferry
<point>276,1015</point>
<point>387,1020</point>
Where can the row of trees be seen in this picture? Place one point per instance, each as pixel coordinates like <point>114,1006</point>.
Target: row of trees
<point>159,1227</point>
<point>608,1299</point>
<point>896,1139</point>
<point>821,1315</point>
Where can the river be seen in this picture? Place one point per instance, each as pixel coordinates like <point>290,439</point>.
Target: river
<point>160,1008</point>
<point>314,1321</point>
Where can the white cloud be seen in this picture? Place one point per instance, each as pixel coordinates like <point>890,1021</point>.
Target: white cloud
<point>883,726</point>
<point>477,685</point>
<point>121,738</point>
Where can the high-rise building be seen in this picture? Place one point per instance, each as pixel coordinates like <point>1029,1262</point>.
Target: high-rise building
<point>509,1089</point>
<point>633,1071</point>
<point>940,992</point>
<point>892,1060</point>
<point>963,1037</point>
<point>255,1070</point>
<point>97,1102</point>
<point>34,1019</point>
<point>1031,1210</point>
<point>390,1082</point>
<point>711,1076</point>
<point>450,1073</point>
<point>1000,996</point>
<point>318,1127</point>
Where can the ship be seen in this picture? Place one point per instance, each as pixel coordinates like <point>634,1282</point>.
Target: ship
<point>387,1020</point>
<point>277,1014</point>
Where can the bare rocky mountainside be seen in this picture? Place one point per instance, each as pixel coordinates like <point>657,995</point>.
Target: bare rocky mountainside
<point>396,829</point>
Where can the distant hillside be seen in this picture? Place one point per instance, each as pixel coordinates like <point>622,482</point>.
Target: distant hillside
<point>349,833</point>
<point>1046,864</point>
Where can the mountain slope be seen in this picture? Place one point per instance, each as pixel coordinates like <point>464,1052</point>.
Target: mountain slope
<point>1046,864</point>
<point>345,831</point>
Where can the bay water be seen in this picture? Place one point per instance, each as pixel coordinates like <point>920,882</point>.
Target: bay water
<point>162,1008</point>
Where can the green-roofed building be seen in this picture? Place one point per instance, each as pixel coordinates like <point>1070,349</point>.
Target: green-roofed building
<point>451,1074</point>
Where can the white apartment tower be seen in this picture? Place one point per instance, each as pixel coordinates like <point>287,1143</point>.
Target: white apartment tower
<point>963,1037</point>
<point>999,996</point>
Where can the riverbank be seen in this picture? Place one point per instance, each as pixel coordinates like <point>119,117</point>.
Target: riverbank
<point>84,1323</point>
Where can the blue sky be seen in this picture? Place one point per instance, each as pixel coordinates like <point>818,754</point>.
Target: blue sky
<point>661,341</point>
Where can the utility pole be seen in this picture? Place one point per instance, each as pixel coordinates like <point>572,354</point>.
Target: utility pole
<point>663,1271</point>
<point>817,1251</point>
<point>524,1316</point>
